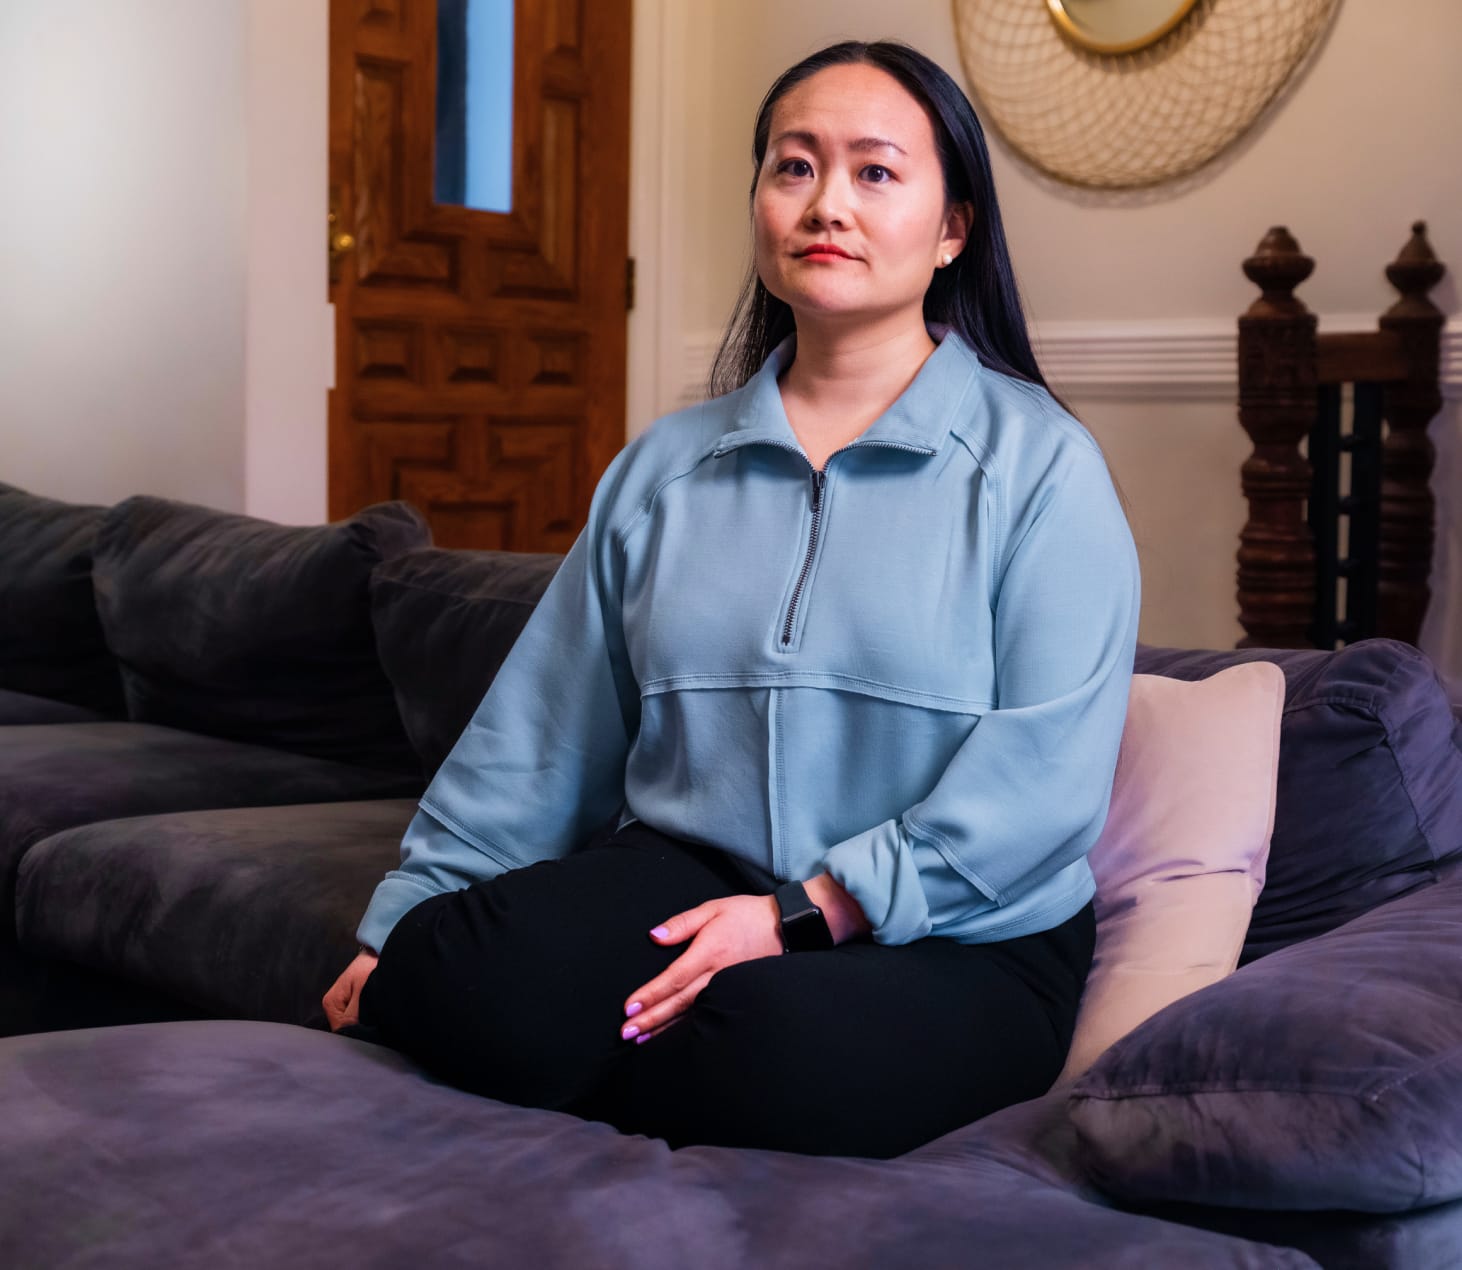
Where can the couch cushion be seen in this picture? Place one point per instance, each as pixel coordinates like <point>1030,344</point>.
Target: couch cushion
<point>239,628</point>
<point>445,619</point>
<point>1323,1076</point>
<point>65,774</point>
<point>292,1145</point>
<point>1425,1239</point>
<point>1370,781</point>
<point>1180,860</point>
<point>1038,1138</point>
<point>246,913</point>
<point>21,707</point>
<point>51,642</point>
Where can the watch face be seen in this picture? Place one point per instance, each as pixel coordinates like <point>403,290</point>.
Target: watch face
<point>804,928</point>
<point>807,932</point>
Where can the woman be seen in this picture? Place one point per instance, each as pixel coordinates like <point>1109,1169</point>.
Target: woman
<point>840,665</point>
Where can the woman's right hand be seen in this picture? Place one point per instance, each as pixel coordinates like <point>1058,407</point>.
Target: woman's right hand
<point>342,1001</point>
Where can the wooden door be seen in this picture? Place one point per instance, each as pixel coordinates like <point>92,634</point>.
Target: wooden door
<point>480,356</point>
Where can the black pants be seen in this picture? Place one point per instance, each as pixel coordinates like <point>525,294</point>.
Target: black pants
<point>515,988</point>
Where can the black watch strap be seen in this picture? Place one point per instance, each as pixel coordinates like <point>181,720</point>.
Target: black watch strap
<point>804,928</point>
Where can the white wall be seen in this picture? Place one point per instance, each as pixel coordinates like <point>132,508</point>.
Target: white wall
<point>164,329</point>
<point>122,249</point>
<point>1362,143</point>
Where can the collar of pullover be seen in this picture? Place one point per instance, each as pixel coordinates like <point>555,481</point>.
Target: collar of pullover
<point>920,417</point>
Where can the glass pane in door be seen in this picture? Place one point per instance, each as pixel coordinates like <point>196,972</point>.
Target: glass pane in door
<point>474,156</point>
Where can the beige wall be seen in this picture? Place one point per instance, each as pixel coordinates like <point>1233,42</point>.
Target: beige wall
<point>122,249</point>
<point>1362,143</point>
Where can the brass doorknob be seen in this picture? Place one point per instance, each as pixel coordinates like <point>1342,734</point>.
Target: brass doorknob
<point>340,241</point>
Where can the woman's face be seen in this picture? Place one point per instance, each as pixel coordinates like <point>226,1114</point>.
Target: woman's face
<point>851,162</point>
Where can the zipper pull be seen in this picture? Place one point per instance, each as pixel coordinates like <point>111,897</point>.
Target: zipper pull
<point>818,477</point>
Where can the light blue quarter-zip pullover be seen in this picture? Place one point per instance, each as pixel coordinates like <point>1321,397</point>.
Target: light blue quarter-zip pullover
<point>909,670</point>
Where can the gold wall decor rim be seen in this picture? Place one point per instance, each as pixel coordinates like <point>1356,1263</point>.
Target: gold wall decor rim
<point>1134,119</point>
<point>1068,25</point>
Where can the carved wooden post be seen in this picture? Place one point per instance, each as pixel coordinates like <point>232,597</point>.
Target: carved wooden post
<point>1277,405</point>
<point>1408,510</point>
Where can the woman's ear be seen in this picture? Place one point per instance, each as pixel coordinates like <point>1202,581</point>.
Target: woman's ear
<point>958,222</point>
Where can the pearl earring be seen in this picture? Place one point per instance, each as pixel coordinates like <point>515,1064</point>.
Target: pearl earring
<point>946,258</point>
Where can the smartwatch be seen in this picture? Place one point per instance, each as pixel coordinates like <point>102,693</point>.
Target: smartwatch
<point>804,928</point>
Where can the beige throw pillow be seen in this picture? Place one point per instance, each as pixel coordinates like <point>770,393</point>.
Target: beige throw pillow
<point>1181,860</point>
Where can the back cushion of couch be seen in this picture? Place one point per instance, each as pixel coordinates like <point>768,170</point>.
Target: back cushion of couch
<point>240,628</point>
<point>51,642</point>
<point>1370,780</point>
<point>445,619</point>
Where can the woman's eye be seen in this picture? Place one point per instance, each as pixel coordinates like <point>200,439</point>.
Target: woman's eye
<point>878,173</point>
<point>800,164</point>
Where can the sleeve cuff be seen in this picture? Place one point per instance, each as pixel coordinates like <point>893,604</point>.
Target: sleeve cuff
<point>877,869</point>
<point>396,893</point>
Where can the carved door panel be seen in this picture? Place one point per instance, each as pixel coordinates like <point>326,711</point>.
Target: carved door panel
<point>480,355</point>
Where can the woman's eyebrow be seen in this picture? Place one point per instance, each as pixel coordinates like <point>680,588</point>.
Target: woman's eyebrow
<point>862,143</point>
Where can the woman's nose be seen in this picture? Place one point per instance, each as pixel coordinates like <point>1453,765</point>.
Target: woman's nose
<point>828,205</point>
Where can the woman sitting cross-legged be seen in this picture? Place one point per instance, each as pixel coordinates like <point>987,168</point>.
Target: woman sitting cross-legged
<point>793,770</point>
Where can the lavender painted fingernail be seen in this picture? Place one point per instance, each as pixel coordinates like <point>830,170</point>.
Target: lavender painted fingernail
<point>633,1009</point>
<point>660,932</point>
<point>644,1038</point>
<point>630,1031</point>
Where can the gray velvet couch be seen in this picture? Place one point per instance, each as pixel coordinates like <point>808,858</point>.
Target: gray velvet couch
<point>212,734</point>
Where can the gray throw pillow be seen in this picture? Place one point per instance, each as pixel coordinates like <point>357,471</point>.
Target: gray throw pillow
<point>51,643</point>
<point>445,620</point>
<point>239,628</point>
<point>1324,1076</point>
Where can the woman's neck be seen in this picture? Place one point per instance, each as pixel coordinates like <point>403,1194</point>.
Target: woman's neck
<point>854,373</point>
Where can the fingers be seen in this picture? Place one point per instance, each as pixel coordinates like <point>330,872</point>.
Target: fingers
<point>669,994</point>
<point>334,1008</point>
<point>342,1001</point>
<point>351,1013</point>
<point>723,932</point>
<point>649,1022</point>
<point>679,1018</point>
<point>677,929</point>
<point>690,924</point>
<point>647,1006</point>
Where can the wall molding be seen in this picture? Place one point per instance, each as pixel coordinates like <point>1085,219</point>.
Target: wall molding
<point>1174,359</point>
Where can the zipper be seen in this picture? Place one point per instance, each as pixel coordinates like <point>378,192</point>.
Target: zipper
<point>819,481</point>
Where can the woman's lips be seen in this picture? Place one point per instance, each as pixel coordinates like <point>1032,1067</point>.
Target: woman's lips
<point>825,253</point>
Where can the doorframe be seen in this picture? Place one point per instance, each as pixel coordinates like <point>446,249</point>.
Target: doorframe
<point>665,52</point>
<point>289,324</point>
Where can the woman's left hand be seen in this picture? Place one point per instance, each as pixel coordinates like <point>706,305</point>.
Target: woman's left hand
<point>734,928</point>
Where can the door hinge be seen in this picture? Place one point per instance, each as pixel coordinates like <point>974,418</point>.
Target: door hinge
<point>629,283</point>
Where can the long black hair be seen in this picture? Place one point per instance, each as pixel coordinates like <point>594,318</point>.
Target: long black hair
<point>975,296</point>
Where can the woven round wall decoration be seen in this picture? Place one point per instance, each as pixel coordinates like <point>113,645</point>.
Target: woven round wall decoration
<point>1123,93</point>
